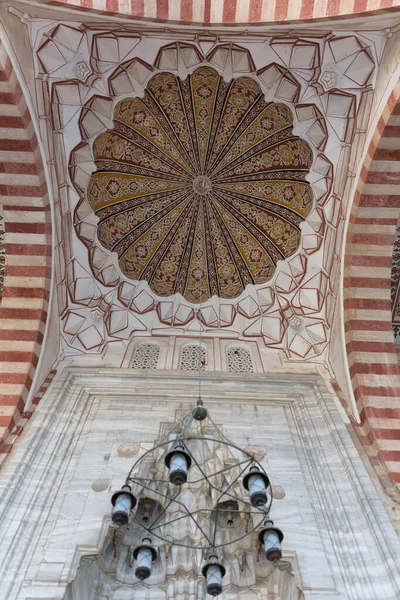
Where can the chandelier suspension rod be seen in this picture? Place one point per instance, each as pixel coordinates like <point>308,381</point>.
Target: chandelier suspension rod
<point>199,363</point>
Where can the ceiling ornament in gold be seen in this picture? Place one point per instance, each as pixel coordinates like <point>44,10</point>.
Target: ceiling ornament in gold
<point>201,186</point>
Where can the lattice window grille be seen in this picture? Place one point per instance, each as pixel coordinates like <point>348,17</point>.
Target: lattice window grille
<point>193,358</point>
<point>239,360</point>
<point>146,356</point>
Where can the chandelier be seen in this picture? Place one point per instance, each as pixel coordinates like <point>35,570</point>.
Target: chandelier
<point>196,489</point>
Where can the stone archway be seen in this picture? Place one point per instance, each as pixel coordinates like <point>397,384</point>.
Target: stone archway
<point>227,11</point>
<point>395,291</point>
<point>24,303</point>
<point>371,352</point>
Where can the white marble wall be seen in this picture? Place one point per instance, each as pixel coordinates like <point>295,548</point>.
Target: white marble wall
<point>51,515</point>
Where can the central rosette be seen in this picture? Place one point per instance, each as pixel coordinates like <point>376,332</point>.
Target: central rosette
<point>201,186</point>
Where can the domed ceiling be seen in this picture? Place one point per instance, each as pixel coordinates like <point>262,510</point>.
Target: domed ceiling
<point>201,186</point>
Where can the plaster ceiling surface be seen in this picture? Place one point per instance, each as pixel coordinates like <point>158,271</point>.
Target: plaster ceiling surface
<point>317,90</point>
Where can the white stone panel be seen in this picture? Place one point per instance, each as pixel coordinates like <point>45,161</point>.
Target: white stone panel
<point>335,526</point>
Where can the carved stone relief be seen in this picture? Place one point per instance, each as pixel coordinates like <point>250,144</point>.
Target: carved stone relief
<point>181,527</point>
<point>75,440</point>
<point>239,360</point>
<point>146,356</point>
<point>193,358</point>
<point>96,580</point>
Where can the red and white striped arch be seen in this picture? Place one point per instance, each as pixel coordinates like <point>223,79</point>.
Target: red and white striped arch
<point>24,304</point>
<point>230,11</point>
<point>371,352</point>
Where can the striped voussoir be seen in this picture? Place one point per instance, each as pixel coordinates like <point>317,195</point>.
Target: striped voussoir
<point>24,305</point>
<point>24,418</point>
<point>371,352</point>
<point>229,11</point>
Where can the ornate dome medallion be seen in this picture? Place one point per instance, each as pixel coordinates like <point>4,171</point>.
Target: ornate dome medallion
<point>200,187</point>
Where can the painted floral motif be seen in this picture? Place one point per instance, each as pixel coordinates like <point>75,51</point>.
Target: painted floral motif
<point>201,186</point>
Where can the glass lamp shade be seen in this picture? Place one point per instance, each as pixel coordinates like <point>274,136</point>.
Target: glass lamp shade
<point>178,462</point>
<point>271,537</point>
<point>213,571</point>
<point>199,413</point>
<point>256,482</point>
<point>145,555</point>
<point>123,502</point>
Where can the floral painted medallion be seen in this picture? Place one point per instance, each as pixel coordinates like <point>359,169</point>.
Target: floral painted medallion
<point>201,186</point>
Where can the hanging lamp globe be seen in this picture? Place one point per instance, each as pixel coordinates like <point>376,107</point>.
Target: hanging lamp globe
<point>271,537</point>
<point>145,555</point>
<point>123,502</point>
<point>213,571</point>
<point>200,412</point>
<point>256,482</point>
<point>178,462</point>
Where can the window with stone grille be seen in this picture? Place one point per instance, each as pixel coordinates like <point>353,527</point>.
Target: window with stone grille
<point>193,358</point>
<point>239,360</point>
<point>146,356</point>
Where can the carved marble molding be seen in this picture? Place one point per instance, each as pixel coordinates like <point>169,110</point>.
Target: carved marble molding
<point>93,582</point>
<point>331,513</point>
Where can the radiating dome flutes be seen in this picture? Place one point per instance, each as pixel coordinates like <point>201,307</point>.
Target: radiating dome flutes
<point>201,186</point>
